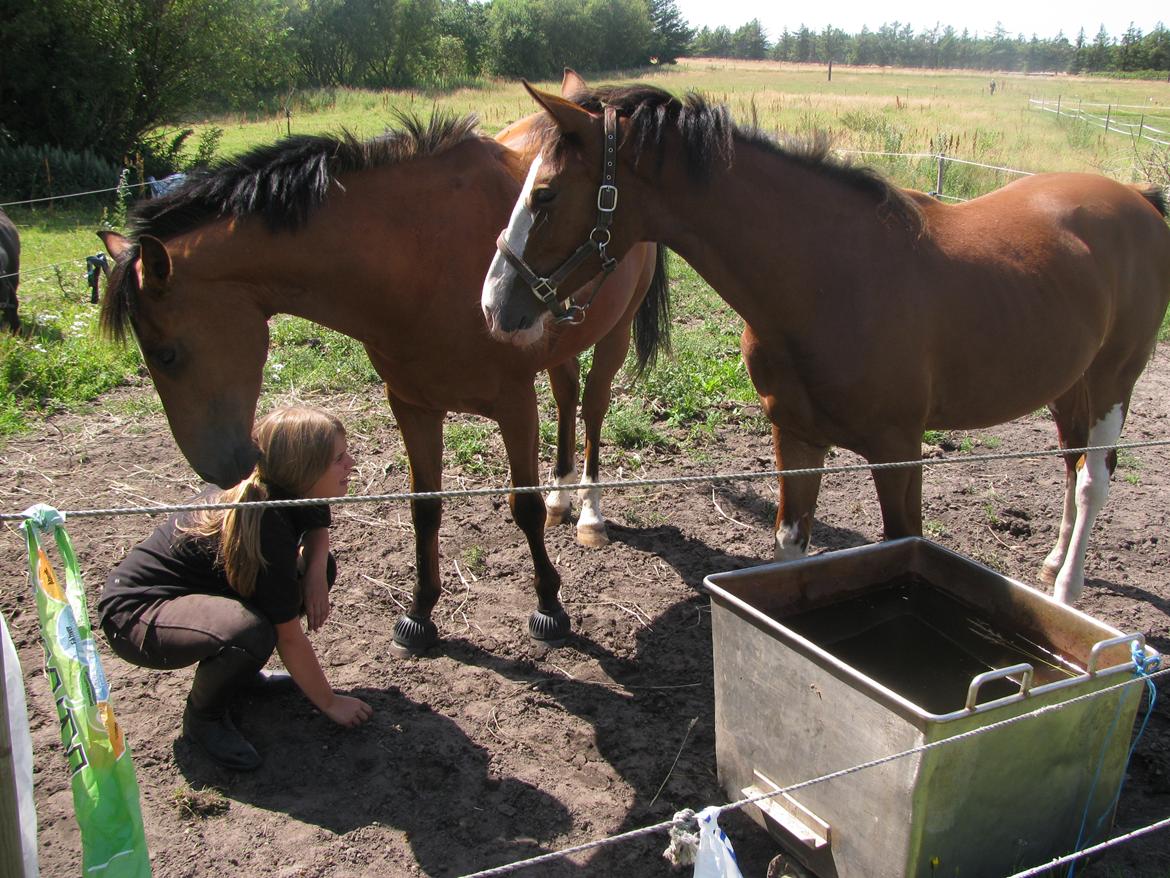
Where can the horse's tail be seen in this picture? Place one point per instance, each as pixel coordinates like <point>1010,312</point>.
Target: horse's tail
<point>1154,194</point>
<point>652,322</point>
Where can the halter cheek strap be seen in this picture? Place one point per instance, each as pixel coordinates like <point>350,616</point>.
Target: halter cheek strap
<point>545,288</point>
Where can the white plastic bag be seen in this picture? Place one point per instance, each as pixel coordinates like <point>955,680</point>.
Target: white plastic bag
<point>715,859</point>
<point>22,755</point>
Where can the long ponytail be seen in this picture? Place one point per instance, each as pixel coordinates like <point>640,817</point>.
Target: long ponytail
<point>296,447</point>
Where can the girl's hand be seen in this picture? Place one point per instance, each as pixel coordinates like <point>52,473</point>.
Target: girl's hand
<point>316,597</point>
<point>348,712</point>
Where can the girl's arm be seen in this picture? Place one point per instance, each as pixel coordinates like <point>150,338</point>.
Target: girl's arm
<point>316,581</point>
<point>296,652</point>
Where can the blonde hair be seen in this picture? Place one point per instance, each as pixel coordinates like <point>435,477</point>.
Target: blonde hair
<point>296,447</point>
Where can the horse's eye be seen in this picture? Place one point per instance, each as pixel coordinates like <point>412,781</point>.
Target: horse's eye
<point>164,356</point>
<point>543,196</point>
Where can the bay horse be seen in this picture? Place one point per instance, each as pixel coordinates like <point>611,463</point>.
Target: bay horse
<point>872,313</point>
<point>9,272</point>
<point>385,241</point>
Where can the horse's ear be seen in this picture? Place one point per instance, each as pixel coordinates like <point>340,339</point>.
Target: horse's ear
<point>570,118</point>
<point>116,245</point>
<point>572,83</point>
<point>155,261</point>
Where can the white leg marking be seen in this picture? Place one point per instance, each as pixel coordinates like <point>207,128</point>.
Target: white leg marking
<point>591,523</point>
<point>1091,491</point>
<point>501,275</point>
<point>559,503</point>
<point>789,543</point>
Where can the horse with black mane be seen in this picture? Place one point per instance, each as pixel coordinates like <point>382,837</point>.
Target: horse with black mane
<point>386,241</point>
<point>9,273</point>
<point>872,313</point>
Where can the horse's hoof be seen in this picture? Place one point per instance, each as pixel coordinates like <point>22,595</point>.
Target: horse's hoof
<point>555,517</point>
<point>552,629</point>
<point>1048,575</point>
<point>592,536</point>
<point>413,636</point>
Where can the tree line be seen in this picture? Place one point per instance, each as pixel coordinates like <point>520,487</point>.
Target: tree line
<point>898,45</point>
<point>88,83</point>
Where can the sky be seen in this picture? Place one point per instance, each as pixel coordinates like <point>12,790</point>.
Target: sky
<point>1044,18</point>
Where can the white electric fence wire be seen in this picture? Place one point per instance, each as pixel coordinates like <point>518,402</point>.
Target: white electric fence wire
<point>1088,852</point>
<point>962,736</point>
<point>25,272</point>
<point>619,485</point>
<point>73,194</point>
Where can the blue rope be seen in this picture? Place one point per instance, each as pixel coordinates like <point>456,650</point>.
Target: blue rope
<point>1143,666</point>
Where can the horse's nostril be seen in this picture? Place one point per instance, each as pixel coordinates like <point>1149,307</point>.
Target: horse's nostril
<point>524,322</point>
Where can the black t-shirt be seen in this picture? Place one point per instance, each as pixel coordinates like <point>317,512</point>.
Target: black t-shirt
<point>168,564</point>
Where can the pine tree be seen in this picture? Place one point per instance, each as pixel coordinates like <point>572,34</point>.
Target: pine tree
<point>670,35</point>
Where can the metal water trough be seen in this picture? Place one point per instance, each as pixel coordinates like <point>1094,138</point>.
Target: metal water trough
<point>846,657</point>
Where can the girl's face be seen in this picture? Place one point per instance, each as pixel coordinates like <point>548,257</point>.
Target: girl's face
<point>334,482</point>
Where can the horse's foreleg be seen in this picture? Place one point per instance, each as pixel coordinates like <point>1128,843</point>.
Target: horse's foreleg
<point>565,381</point>
<point>422,433</point>
<point>798,494</point>
<point>518,428</point>
<point>608,357</point>
<point>1055,560</point>
<point>1092,489</point>
<point>899,489</point>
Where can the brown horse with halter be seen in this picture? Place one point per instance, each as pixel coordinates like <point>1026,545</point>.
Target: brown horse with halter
<point>385,241</point>
<point>872,313</point>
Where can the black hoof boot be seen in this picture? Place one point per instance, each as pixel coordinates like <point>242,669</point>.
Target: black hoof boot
<point>550,628</point>
<point>413,636</point>
<point>221,741</point>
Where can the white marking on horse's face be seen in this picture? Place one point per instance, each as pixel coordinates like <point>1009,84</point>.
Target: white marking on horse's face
<point>501,275</point>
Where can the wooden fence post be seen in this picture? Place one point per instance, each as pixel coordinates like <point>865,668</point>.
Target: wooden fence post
<point>1058,105</point>
<point>938,176</point>
<point>1108,116</point>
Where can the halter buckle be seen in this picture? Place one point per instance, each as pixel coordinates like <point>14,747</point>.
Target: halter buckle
<point>607,198</point>
<point>544,290</point>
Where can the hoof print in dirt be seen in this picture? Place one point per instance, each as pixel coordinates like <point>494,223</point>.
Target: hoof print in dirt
<point>413,636</point>
<point>549,628</point>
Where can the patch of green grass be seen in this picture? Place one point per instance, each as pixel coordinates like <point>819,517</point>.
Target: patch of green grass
<point>475,559</point>
<point>303,356</point>
<point>630,426</point>
<point>1129,465</point>
<point>467,446</point>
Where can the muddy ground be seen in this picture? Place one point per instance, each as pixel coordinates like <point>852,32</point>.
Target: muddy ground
<point>492,749</point>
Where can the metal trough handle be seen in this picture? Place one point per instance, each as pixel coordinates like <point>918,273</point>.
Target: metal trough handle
<point>998,674</point>
<point>1102,645</point>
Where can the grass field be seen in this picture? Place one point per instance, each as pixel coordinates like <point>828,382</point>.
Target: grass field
<point>61,363</point>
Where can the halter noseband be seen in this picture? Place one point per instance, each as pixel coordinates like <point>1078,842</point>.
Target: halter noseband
<point>545,288</point>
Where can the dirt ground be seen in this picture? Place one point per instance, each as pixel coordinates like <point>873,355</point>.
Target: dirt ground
<point>492,749</point>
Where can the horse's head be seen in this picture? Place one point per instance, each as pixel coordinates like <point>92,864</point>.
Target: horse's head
<point>565,225</point>
<point>205,351</point>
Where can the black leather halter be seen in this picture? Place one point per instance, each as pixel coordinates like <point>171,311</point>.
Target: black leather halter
<point>545,288</point>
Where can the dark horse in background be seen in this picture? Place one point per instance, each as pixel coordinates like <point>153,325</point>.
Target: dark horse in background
<point>9,272</point>
<point>385,241</point>
<point>872,313</point>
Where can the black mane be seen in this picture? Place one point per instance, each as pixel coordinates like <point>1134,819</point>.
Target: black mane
<point>708,137</point>
<point>281,183</point>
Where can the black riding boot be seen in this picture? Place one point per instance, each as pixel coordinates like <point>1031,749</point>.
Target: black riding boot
<point>206,721</point>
